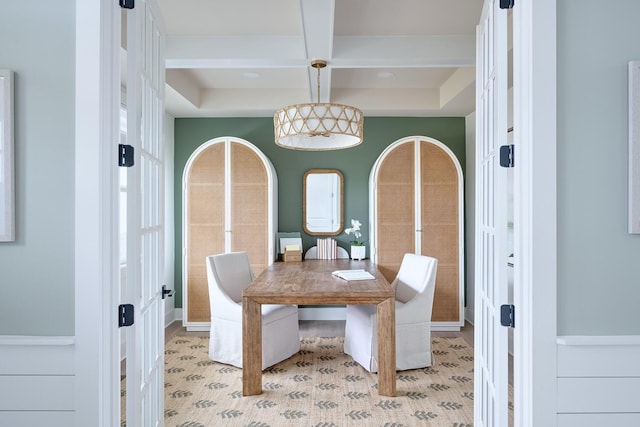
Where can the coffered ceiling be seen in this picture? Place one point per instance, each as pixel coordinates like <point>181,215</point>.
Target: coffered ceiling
<point>248,58</point>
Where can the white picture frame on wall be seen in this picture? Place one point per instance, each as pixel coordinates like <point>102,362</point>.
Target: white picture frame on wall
<point>634,147</point>
<point>7,186</point>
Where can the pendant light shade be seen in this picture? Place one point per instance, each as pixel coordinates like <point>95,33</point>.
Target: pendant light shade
<point>319,126</point>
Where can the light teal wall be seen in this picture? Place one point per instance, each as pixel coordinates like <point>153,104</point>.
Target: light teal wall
<point>355,164</point>
<point>37,42</point>
<point>598,262</point>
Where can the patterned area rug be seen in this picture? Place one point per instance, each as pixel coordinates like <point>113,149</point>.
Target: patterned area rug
<point>320,387</point>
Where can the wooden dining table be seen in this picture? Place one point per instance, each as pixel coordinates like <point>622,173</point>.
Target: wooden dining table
<point>310,282</point>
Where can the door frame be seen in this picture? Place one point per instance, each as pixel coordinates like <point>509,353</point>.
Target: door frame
<point>535,212</point>
<point>97,361</point>
<point>97,105</point>
<point>491,366</point>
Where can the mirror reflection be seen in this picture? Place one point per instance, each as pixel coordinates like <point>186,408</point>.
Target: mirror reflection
<point>322,202</point>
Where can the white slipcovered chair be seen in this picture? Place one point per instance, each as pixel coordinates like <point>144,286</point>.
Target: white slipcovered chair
<point>414,286</point>
<point>228,275</point>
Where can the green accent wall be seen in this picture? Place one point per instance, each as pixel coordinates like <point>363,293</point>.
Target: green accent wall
<point>354,163</point>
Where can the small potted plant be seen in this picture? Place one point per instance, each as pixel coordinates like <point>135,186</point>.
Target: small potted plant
<point>358,248</point>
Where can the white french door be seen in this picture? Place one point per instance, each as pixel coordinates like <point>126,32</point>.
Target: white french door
<point>145,212</point>
<point>491,362</point>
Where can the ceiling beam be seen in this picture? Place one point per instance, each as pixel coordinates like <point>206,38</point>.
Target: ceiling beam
<point>317,27</point>
<point>459,81</point>
<point>404,51</point>
<point>185,87</point>
<point>348,52</point>
<point>235,52</point>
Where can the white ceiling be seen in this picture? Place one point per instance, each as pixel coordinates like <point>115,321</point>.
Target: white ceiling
<point>248,58</point>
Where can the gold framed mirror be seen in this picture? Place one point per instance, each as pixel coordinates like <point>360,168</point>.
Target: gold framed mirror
<point>322,202</point>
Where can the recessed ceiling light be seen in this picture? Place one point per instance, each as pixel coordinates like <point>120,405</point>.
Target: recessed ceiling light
<point>251,75</point>
<point>385,74</point>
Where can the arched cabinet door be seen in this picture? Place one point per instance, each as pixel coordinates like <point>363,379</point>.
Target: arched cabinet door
<point>229,200</point>
<point>416,204</point>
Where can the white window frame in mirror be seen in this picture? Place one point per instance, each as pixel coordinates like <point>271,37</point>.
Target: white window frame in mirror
<point>322,214</point>
<point>7,190</point>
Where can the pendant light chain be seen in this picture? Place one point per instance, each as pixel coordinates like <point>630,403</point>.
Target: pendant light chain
<point>318,78</point>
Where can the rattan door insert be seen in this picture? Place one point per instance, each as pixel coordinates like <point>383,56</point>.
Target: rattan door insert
<point>228,205</point>
<point>417,207</point>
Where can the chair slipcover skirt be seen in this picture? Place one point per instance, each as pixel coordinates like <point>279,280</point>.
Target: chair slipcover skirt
<point>414,286</point>
<point>413,340</point>
<point>228,275</point>
<point>280,337</point>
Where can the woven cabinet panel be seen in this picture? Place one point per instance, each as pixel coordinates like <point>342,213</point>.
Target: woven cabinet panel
<point>395,207</point>
<point>437,242</point>
<point>198,298</point>
<point>249,206</point>
<point>446,300</point>
<point>440,203</point>
<point>206,240</point>
<point>205,226</point>
<point>439,220</point>
<point>208,203</point>
<point>208,167</point>
<point>440,226</point>
<point>441,167</point>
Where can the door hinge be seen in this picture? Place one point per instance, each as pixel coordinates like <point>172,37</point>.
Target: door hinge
<point>125,155</point>
<point>166,292</point>
<point>506,4</point>
<point>127,4</point>
<point>125,315</point>
<point>506,156</point>
<point>507,315</point>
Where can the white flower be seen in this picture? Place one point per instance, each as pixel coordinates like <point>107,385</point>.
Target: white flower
<point>355,229</point>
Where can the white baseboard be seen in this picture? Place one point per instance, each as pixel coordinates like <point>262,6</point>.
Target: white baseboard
<point>339,313</point>
<point>198,326</point>
<point>469,315</point>
<point>444,327</point>
<point>322,313</point>
<point>170,316</point>
<point>315,313</point>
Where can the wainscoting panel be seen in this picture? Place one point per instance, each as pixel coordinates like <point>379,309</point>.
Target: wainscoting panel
<point>599,356</point>
<point>40,418</point>
<point>37,393</point>
<point>36,355</point>
<point>579,395</point>
<point>37,377</point>
<point>598,420</point>
<point>598,381</point>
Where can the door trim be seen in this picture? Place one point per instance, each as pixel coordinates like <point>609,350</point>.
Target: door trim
<point>97,105</point>
<point>535,211</point>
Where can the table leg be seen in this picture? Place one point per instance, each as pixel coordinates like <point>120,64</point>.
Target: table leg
<point>251,347</point>
<point>386,314</point>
